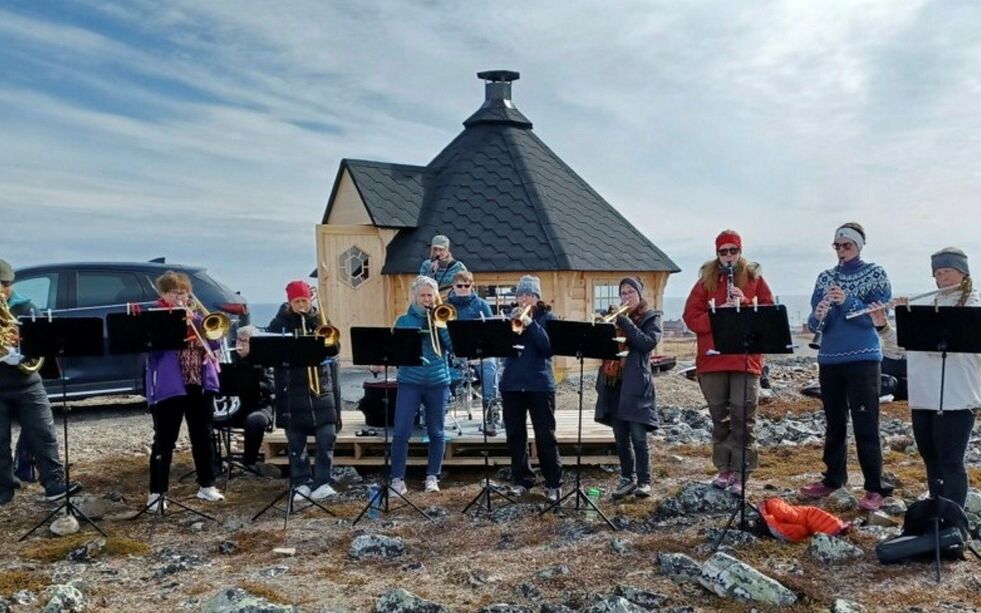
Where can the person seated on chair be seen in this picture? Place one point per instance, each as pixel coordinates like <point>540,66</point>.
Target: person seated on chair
<point>470,306</point>
<point>22,396</point>
<point>441,266</point>
<point>306,408</point>
<point>528,387</point>
<point>427,385</point>
<point>255,414</point>
<point>181,385</point>
<point>942,437</point>
<point>625,390</point>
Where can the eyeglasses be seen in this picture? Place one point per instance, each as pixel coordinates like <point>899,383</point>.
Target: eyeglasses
<point>728,251</point>
<point>842,246</point>
<point>463,285</point>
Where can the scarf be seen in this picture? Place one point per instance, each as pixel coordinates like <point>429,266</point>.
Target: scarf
<point>613,369</point>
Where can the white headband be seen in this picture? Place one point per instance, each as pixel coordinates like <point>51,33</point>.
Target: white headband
<point>850,234</point>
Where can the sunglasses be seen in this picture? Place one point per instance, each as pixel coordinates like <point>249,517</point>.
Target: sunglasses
<point>728,251</point>
<point>6,283</point>
<point>842,246</point>
<point>463,285</point>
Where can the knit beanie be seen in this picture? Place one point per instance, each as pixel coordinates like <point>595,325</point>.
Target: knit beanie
<point>635,283</point>
<point>298,289</point>
<point>728,237</point>
<point>6,272</point>
<point>529,284</point>
<point>950,257</point>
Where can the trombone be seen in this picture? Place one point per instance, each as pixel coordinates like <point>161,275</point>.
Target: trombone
<point>329,334</point>
<point>214,326</point>
<point>438,316</point>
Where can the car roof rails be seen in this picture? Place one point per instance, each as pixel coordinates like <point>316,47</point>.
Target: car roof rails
<point>160,260</point>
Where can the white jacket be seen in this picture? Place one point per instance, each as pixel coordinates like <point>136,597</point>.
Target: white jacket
<point>962,379</point>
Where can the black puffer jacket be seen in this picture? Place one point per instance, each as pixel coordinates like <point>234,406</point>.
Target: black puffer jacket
<point>299,408</point>
<point>256,389</point>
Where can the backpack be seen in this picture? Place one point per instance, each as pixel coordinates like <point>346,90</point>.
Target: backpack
<point>918,539</point>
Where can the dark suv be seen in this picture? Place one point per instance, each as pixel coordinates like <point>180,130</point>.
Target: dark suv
<point>93,289</point>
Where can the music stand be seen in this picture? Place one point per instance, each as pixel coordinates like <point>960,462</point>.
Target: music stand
<point>288,351</point>
<point>230,384</point>
<point>58,338</point>
<point>582,339</point>
<point>143,331</point>
<point>747,330</point>
<point>371,346</point>
<point>944,329</point>
<point>492,338</point>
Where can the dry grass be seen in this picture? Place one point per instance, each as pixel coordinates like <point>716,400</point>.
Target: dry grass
<point>12,581</point>
<point>55,549</point>
<point>264,590</point>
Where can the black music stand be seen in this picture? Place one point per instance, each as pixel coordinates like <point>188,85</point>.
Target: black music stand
<point>582,340</point>
<point>230,384</point>
<point>288,351</point>
<point>58,338</point>
<point>371,346</point>
<point>944,329</point>
<point>747,330</point>
<point>142,331</point>
<point>492,338</point>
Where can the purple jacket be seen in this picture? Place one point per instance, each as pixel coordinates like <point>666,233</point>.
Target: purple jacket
<point>163,375</point>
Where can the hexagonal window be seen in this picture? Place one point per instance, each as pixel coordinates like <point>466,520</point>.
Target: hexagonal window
<point>354,266</point>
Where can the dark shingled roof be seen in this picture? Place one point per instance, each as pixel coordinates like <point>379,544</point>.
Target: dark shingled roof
<point>506,201</point>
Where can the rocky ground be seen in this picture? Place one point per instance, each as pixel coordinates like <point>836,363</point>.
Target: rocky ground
<point>512,559</point>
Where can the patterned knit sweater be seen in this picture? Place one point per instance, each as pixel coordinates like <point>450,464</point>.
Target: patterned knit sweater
<point>850,340</point>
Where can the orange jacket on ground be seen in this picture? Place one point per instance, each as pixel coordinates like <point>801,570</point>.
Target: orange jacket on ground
<point>796,523</point>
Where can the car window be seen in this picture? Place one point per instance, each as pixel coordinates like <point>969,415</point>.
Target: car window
<point>41,290</point>
<point>101,288</point>
<point>209,291</point>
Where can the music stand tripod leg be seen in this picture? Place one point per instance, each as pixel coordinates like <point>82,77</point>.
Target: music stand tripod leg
<point>487,491</point>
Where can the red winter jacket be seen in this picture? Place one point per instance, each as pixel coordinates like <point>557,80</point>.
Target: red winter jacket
<point>696,317</point>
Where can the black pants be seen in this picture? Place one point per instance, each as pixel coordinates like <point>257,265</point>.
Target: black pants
<point>897,368</point>
<point>254,425</point>
<point>942,440</point>
<point>541,406</point>
<point>196,407</point>
<point>852,388</point>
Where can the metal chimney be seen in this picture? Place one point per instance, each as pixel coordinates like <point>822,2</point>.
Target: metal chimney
<point>497,87</point>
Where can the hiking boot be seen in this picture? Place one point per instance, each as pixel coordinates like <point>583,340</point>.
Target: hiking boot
<point>324,491</point>
<point>211,494</point>
<point>735,487</point>
<point>398,486</point>
<point>302,493</point>
<point>815,491</point>
<point>59,490</point>
<point>871,502</point>
<point>624,488</point>
<point>432,483</point>
<point>723,479</point>
<point>643,490</point>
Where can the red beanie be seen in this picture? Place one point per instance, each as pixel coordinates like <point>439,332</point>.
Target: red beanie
<point>730,237</point>
<point>298,289</point>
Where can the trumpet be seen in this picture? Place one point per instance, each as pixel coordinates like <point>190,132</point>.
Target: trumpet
<point>517,326</point>
<point>943,290</point>
<point>612,315</point>
<point>9,344</point>
<point>438,316</point>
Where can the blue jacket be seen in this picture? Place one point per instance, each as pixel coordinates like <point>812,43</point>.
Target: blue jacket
<point>470,307</point>
<point>531,371</point>
<point>434,371</point>
<point>850,340</point>
<point>443,276</point>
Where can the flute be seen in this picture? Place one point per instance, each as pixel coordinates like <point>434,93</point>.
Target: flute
<point>867,310</point>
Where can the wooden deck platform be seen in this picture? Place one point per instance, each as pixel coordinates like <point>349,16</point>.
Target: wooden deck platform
<point>463,445</point>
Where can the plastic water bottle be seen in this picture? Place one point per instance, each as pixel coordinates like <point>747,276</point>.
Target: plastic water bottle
<point>593,494</point>
<point>374,496</point>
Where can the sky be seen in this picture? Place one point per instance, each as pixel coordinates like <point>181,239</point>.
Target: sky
<point>211,132</point>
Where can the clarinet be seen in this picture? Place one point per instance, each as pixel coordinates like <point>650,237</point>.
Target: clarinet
<point>819,333</point>
<point>730,280</point>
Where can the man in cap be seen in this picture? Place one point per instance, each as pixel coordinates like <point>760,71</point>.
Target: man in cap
<point>22,396</point>
<point>441,266</point>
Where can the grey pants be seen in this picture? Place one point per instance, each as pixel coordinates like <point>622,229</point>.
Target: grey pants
<point>732,398</point>
<point>325,436</point>
<point>29,405</point>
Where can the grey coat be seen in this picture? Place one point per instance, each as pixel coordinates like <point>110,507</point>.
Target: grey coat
<point>637,383</point>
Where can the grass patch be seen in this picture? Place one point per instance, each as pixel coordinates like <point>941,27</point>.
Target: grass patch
<point>258,540</point>
<point>15,580</point>
<point>123,546</point>
<point>263,590</point>
<point>55,549</point>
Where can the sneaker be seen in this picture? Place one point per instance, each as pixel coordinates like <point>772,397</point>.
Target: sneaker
<point>211,494</point>
<point>553,494</point>
<point>6,495</point>
<point>324,491</point>
<point>722,480</point>
<point>398,486</point>
<point>735,487</point>
<point>625,488</point>
<point>643,490</point>
<point>301,493</point>
<point>154,502</point>
<point>432,483</point>
<point>871,502</point>
<point>59,490</point>
<point>815,491</point>
<point>517,490</point>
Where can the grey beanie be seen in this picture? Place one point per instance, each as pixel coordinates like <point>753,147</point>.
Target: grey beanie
<point>633,282</point>
<point>6,272</point>
<point>529,285</point>
<point>950,257</point>
<point>440,241</point>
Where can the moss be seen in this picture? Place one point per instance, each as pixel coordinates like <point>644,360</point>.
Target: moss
<point>55,549</point>
<point>15,580</point>
<point>123,546</point>
<point>258,540</point>
<point>263,590</point>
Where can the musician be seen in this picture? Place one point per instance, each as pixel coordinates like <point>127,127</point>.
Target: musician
<point>441,266</point>
<point>469,305</point>
<point>304,412</point>
<point>849,366</point>
<point>22,397</point>
<point>625,390</point>
<point>256,387</point>
<point>528,387</point>
<point>730,383</point>
<point>181,385</point>
<point>427,385</point>
<point>942,436</point>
